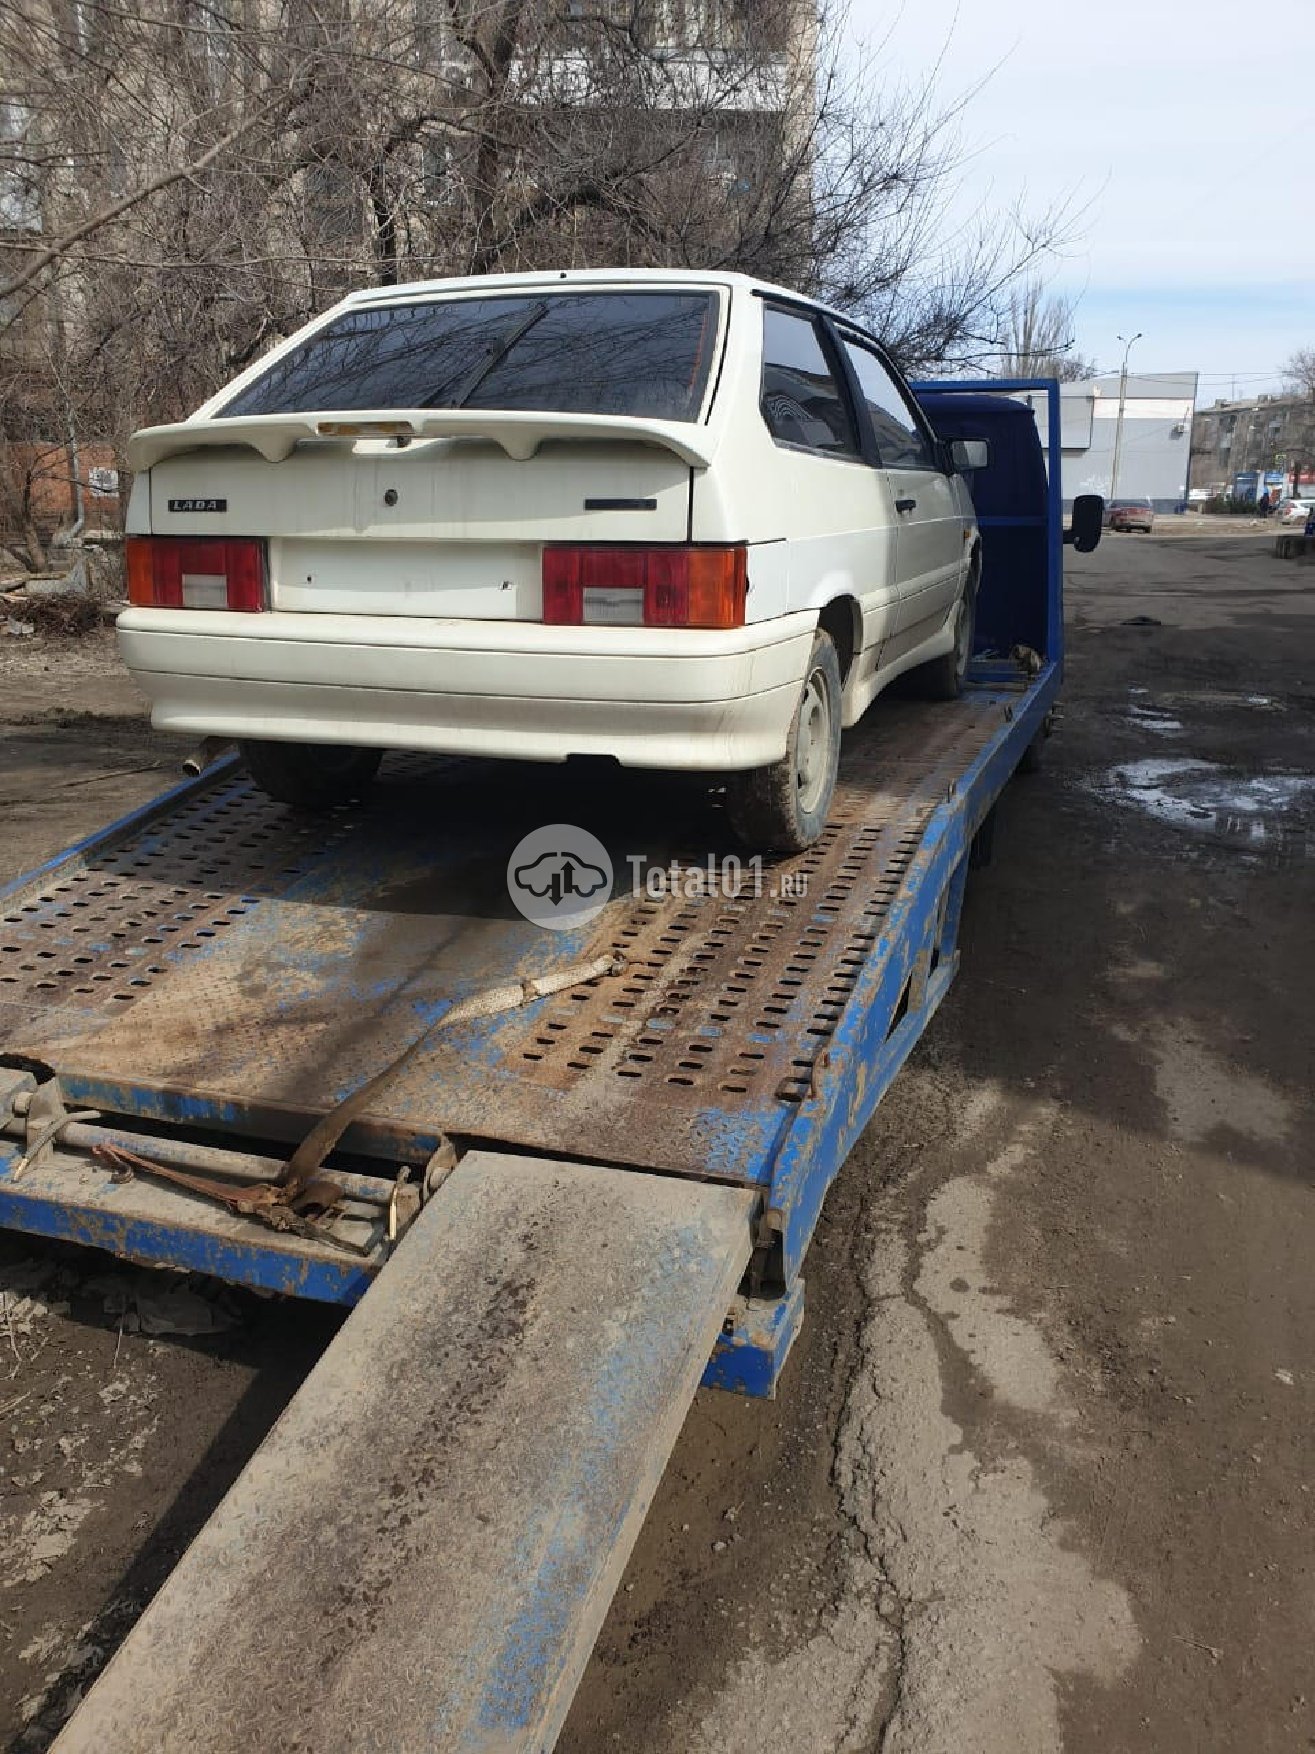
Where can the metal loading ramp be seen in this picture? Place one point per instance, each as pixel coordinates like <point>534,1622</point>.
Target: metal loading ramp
<point>422,1551</point>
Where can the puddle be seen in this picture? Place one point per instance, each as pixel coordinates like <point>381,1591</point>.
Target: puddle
<point>1151,718</point>
<point>1221,697</point>
<point>1261,813</point>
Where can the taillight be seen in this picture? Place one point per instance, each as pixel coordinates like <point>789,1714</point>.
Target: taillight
<point>196,572</point>
<point>689,586</point>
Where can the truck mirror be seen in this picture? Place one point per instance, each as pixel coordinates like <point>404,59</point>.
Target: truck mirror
<point>1088,520</point>
<point>970,454</point>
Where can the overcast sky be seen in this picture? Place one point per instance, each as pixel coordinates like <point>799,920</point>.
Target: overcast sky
<point>1181,127</point>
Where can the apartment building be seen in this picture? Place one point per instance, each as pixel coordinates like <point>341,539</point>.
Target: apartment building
<point>1259,443</point>
<point>367,141</point>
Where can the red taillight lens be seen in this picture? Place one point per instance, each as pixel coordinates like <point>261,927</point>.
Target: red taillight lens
<point>196,572</point>
<point>687,586</point>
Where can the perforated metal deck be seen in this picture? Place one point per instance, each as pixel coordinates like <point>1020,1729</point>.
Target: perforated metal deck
<point>237,965</point>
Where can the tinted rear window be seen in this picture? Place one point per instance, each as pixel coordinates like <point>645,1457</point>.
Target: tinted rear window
<point>641,353</point>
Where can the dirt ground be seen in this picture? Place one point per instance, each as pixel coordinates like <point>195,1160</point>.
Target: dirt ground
<point>1039,1474</point>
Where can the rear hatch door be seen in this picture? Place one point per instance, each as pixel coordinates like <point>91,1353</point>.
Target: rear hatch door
<point>412,455</point>
<point>440,527</point>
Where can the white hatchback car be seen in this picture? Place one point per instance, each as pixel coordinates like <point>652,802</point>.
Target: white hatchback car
<point>685,520</point>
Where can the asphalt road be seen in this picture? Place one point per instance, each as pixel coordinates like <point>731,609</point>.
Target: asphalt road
<point>1038,1476</point>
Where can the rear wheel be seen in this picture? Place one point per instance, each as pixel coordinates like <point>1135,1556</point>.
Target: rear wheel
<point>783,808</point>
<point>944,677</point>
<point>312,776</point>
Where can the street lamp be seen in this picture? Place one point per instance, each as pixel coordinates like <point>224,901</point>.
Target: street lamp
<point>1123,400</point>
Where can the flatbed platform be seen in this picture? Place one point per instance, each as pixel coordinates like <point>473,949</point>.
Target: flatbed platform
<point>209,978</point>
<point>233,965</point>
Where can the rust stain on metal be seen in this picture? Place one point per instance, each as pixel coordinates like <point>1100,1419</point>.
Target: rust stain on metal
<point>303,1210</point>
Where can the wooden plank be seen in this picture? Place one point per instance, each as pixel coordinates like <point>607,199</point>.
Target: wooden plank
<point>420,1554</point>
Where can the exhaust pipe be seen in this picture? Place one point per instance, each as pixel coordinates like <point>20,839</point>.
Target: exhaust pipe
<point>207,752</point>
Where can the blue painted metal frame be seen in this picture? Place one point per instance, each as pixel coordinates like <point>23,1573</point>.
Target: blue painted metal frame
<point>394,1143</point>
<point>899,992</point>
<point>895,998</point>
<point>1054,513</point>
<point>795,1163</point>
<point>266,1265</point>
<point>751,1352</point>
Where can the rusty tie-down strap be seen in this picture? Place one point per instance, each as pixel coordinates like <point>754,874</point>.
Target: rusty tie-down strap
<point>287,1203</point>
<point>266,1202</point>
<point>308,1159</point>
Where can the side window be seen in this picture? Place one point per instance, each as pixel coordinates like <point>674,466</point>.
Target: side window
<point>801,401</point>
<point>901,443</point>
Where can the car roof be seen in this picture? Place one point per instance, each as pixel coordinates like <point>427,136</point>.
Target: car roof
<point>569,278</point>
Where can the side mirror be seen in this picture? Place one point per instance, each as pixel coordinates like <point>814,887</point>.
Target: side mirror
<point>1088,521</point>
<point>970,454</point>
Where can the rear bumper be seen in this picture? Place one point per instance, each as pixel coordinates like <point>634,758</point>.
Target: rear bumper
<point>649,697</point>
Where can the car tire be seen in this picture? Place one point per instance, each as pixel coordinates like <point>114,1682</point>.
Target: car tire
<point>783,808</point>
<point>944,677</point>
<point>311,776</point>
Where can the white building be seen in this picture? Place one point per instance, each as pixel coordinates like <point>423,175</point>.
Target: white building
<point>1155,444</point>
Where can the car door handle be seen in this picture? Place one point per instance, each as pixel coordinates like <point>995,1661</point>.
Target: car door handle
<point>906,505</point>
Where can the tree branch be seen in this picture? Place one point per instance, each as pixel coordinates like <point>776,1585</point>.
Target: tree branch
<point>124,205</point>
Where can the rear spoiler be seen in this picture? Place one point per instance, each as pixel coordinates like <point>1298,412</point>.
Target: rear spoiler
<point>518,433</point>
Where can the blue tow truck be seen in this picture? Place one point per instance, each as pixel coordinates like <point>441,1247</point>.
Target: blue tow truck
<point>572,1174</point>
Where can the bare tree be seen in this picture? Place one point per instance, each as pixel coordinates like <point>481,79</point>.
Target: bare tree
<point>1299,381</point>
<point>182,182</point>
<point>1299,373</point>
<point>1039,339</point>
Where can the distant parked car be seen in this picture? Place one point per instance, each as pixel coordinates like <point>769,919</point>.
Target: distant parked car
<point>1131,514</point>
<point>1295,511</point>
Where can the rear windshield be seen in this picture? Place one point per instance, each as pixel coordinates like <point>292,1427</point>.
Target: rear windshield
<point>642,353</point>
